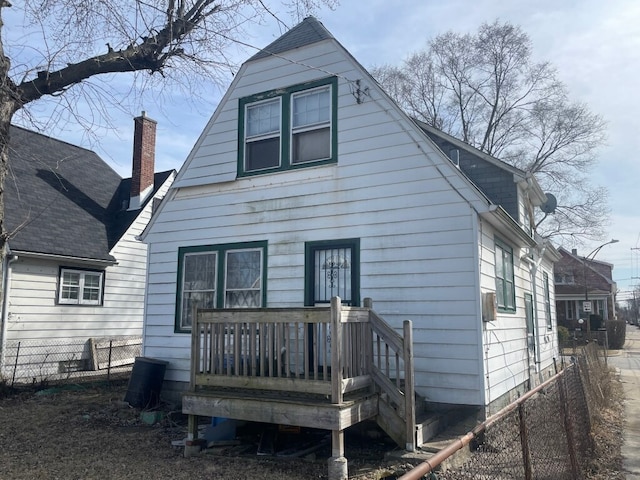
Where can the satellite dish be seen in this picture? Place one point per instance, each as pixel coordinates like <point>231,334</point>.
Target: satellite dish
<point>549,206</point>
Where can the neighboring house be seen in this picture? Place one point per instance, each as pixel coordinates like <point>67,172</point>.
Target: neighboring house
<point>309,182</point>
<point>74,269</point>
<point>577,280</point>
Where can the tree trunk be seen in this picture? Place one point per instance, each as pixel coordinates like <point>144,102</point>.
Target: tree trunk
<point>8,106</point>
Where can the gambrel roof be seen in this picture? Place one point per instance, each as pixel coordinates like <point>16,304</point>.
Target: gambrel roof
<point>64,200</point>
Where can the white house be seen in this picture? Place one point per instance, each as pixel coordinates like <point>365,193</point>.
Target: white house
<point>74,271</point>
<point>310,182</point>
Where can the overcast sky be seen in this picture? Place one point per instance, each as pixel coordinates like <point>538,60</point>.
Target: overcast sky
<point>594,45</point>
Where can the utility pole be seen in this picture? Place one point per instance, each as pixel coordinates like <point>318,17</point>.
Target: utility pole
<point>634,305</point>
<point>635,300</point>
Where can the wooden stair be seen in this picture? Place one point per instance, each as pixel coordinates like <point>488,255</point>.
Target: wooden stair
<point>349,364</point>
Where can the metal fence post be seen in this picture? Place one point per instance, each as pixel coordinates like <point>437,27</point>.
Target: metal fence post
<point>524,442</point>
<point>15,366</point>
<point>568,427</point>
<point>109,362</point>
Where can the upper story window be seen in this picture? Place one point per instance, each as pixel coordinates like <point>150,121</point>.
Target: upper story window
<point>288,128</point>
<point>80,287</point>
<point>564,279</point>
<point>505,285</point>
<point>311,125</point>
<point>262,135</point>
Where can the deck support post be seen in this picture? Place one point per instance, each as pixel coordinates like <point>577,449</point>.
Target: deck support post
<point>193,444</point>
<point>409,386</point>
<point>337,464</point>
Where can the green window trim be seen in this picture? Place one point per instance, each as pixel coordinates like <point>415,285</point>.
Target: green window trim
<point>220,288</point>
<point>547,300</point>
<point>285,135</point>
<point>505,283</point>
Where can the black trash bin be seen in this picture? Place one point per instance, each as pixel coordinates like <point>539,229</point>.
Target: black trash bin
<point>145,382</point>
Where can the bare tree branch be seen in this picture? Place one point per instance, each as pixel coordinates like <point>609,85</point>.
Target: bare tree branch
<point>72,50</point>
<point>485,89</point>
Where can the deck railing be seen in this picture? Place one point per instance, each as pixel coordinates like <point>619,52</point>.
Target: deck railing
<point>328,351</point>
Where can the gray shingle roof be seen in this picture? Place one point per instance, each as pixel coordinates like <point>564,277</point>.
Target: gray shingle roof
<point>309,31</point>
<point>61,199</point>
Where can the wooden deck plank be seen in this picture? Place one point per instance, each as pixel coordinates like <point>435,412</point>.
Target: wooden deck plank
<point>318,414</point>
<point>284,384</point>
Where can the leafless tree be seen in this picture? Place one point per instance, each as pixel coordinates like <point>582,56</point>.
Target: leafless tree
<point>72,50</point>
<point>486,90</point>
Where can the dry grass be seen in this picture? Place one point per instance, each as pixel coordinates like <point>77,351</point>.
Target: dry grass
<point>607,432</point>
<point>87,432</point>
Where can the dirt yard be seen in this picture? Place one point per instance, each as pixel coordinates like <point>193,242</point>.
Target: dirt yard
<point>87,432</point>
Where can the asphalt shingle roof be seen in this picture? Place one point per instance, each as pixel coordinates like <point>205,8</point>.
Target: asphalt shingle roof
<point>61,199</point>
<point>309,31</point>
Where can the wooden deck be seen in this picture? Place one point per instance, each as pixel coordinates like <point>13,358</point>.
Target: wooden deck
<point>320,367</point>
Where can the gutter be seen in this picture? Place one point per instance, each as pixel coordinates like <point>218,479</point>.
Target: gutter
<point>68,258</point>
<point>6,287</point>
<point>499,218</point>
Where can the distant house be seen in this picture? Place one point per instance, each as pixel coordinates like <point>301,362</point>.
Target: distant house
<point>577,280</point>
<point>309,182</point>
<point>74,271</point>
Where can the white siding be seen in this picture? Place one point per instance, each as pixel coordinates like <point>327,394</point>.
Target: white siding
<point>507,359</point>
<point>425,254</point>
<point>390,189</point>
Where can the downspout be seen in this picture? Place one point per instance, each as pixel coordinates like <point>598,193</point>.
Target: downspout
<point>6,287</point>
<point>536,317</point>
<point>533,271</point>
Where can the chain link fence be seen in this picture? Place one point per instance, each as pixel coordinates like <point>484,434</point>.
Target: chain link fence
<point>59,360</point>
<point>544,434</point>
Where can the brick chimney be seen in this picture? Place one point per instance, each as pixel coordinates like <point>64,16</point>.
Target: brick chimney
<point>144,154</point>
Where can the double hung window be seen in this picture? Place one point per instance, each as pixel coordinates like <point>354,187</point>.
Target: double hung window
<point>219,276</point>
<point>505,286</point>
<point>288,128</point>
<point>547,300</point>
<point>80,287</point>
<point>263,135</point>
<point>311,125</point>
